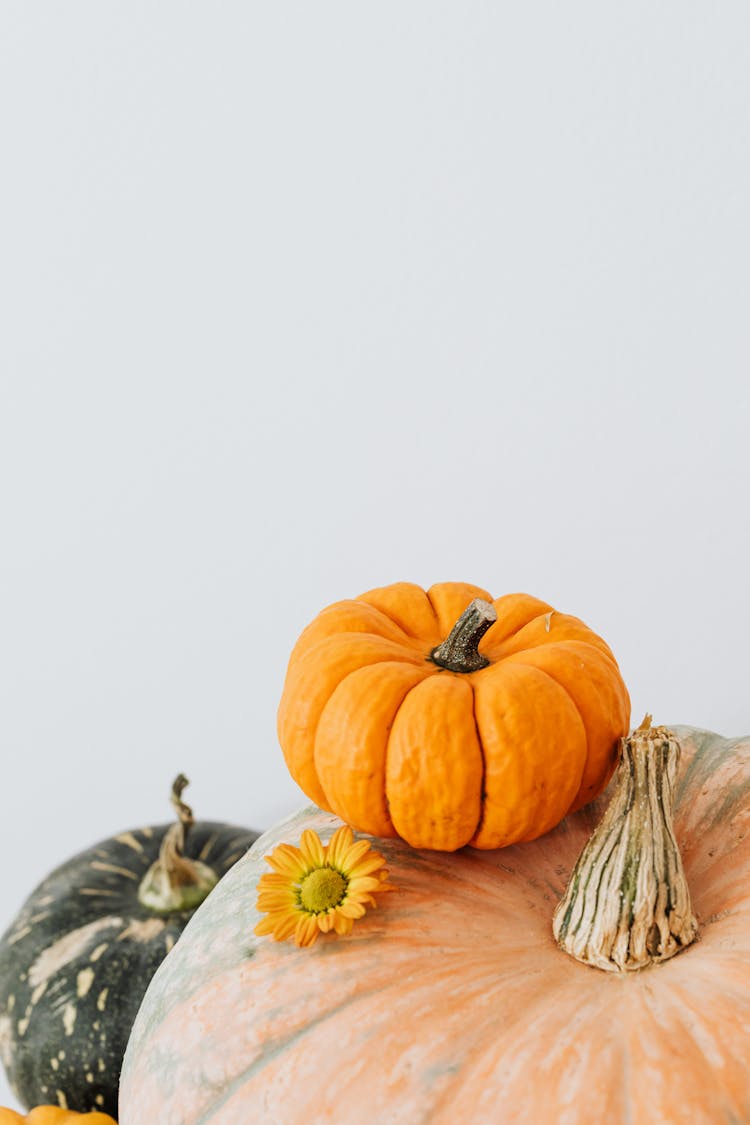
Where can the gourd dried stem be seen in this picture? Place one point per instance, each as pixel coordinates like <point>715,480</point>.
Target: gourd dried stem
<point>171,853</point>
<point>459,651</point>
<point>627,904</point>
<point>174,882</point>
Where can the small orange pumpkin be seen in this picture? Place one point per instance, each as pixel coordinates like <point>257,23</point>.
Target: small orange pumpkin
<point>392,718</point>
<point>53,1115</point>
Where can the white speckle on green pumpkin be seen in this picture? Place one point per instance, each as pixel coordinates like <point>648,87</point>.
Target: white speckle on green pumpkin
<point>21,934</point>
<point>207,846</point>
<point>84,980</point>
<point>67,949</point>
<point>39,992</point>
<point>69,1018</point>
<point>112,868</point>
<point>143,930</point>
<point>6,1040</point>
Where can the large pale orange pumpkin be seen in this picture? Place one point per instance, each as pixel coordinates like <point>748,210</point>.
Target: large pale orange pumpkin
<point>452,1002</point>
<point>395,719</point>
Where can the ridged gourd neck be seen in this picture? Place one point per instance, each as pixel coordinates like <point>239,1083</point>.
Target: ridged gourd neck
<point>627,904</point>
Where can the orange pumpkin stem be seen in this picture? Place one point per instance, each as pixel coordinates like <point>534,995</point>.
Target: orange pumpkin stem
<point>459,652</point>
<point>627,904</point>
<point>175,882</point>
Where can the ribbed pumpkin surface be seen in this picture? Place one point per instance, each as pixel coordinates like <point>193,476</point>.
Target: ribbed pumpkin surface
<point>451,1001</point>
<point>374,730</point>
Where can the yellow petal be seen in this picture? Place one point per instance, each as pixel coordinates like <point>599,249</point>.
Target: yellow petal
<point>363,883</point>
<point>312,849</point>
<point>353,855</point>
<point>325,922</point>
<point>285,927</point>
<point>339,844</point>
<point>372,862</point>
<point>307,930</point>
<point>351,909</point>
<point>272,879</point>
<point>282,891</point>
<point>287,860</point>
<point>265,926</point>
<point>267,900</point>
<point>341,924</point>
<point>271,900</point>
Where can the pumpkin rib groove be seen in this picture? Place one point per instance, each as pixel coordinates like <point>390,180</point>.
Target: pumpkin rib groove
<point>578,641</point>
<point>583,727</point>
<point>482,793</point>
<point>550,675</point>
<point>386,757</point>
<point>506,606</point>
<point>346,617</point>
<point>331,773</point>
<point>587,755</point>
<point>591,715</point>
<point>383,598</point>
<point>512,776</point>
<point>563,627</point>
<point>344,639</point>
<point>297,738</point>
<point>389,624</point>
<point>434,771</point>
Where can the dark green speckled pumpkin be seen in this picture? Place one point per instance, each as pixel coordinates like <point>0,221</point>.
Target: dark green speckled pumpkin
<point>76,962</point>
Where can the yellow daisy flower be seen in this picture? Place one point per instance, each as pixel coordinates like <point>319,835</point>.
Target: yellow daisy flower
<point>319,887</point>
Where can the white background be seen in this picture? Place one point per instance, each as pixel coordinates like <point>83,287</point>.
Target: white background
<point>300,299</point>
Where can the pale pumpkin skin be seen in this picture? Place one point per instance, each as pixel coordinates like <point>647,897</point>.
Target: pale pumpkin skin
<point>451,1002</point>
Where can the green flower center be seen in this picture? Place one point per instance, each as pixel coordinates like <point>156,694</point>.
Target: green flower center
<point>322,889</point>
